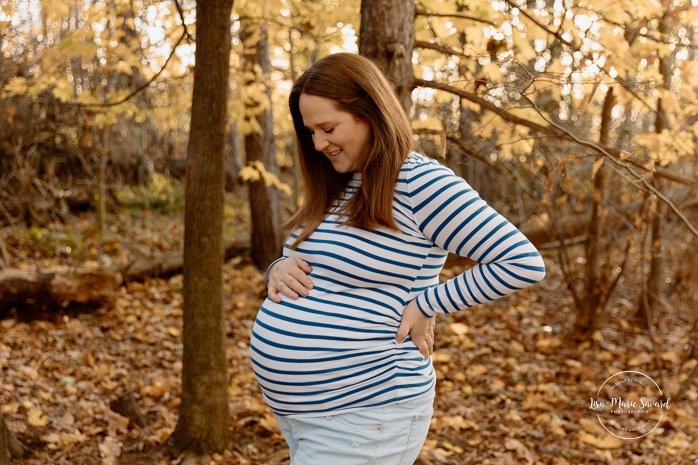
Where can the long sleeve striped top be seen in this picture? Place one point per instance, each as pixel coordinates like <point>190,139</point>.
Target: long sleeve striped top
<point>335,349</point>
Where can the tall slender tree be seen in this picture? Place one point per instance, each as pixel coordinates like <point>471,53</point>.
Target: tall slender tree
<point>653,290</point>
<point>203,420</point>
<point>265,206</point>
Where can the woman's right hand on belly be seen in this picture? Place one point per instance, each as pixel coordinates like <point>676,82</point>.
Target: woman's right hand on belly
<point>290,278</point>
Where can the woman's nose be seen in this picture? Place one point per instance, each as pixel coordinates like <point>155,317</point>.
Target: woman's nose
<point>321,143</point>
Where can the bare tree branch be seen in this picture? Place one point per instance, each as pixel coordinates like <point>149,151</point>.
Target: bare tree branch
<point>180,10</point>
<point>145,85</point>
<point>185,34</point>
<point>605,151</point>
<point>618,156</point>
<point>637,31</point>
<point>454,15</point>
<point>559,36</point>
<point>461,145</point>
<point>441,48</point>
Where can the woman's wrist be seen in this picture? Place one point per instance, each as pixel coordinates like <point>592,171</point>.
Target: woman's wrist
<point>266,275</point>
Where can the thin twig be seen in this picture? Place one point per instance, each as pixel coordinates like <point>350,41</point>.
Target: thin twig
<point>150,81</point>
<point>442,49</point>
<point>454,15</point>
<point>462,145</point>
<point>565,265</point>
<point>555,130</point>
<point>605,152</point>
<point>180,10</point>
<point>559,36</point>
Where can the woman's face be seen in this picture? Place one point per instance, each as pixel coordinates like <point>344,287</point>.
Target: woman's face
<point>338,134</point>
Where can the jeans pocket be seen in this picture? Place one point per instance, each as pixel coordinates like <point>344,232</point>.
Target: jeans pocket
<point>371,419</point>
<point>415,440</point>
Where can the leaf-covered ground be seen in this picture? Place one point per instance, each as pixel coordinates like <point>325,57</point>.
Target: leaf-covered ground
<point>513,389</point>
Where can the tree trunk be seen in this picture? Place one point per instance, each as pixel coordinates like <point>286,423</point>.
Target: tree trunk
<point>653,290</point>
<point>387,38</point>
<point>293,147</point>
<point>265,208</point>
<point>203,418</point>
<point>102,199</point>
<point>596,276</point>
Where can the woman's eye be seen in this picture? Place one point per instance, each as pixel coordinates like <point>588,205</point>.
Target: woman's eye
<point>327,131</point>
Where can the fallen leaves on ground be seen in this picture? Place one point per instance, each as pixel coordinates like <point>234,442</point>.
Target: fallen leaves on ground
<point>512,389</point>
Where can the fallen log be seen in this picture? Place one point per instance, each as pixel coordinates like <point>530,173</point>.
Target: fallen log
<point>10,447</point>
<point>32,291</point>
<point>171,264</point>
<point>51,288</point>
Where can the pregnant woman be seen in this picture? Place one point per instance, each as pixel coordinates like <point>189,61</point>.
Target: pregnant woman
<point>342,346</point>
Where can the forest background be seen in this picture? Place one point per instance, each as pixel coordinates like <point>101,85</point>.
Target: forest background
<point>120,167</point>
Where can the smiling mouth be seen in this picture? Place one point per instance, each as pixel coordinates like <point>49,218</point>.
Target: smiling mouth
<point>334,153</point>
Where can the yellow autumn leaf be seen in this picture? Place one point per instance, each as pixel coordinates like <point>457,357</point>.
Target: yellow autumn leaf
<point>11,407</point>
<point>172,331</point>
<point>17,85</point>
<point>476,370</point>
<point>36,418</point>
<point>256,171</point>
<point>591,426</point>
<point>608,441</point>
<point>430,122</point>
<point>455,422</point>
<point>68,439</point>
<point>79,44</point>
<point>63,90</point>
<point>552,422</point>
<point>459,328</point>
<point>124,67</point>
<point>105,119</point>
<point>249,173</point>
<point>641,359</point>
<point>156,390</point>
<point>451,447</point>
<point>596,167</point>
<point>689,73</point>
<point>51,439</point>
<point>56,11</point>
<point>670,356</point>
<point>440,455</point>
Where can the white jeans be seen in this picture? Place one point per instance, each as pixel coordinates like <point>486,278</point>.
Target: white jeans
<point>391,435</point>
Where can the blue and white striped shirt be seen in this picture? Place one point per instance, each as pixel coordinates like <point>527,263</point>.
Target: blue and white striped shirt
<point>335,349</point>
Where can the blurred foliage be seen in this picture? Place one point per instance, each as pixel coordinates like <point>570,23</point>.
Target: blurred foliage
<point>161,193</point>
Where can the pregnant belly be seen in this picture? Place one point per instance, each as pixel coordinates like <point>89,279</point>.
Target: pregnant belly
<point>302,351</point>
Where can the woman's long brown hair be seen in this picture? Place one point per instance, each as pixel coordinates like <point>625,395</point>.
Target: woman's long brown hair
<point>359,87</point>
